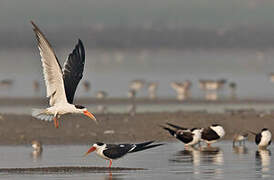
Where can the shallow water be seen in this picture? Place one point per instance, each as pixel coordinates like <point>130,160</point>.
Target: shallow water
<point>112,70</point>
<point>141,108</point>
<point>170,161</point>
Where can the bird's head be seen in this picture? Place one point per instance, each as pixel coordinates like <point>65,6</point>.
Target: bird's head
<point>94,147</point>
<point>83,110</point>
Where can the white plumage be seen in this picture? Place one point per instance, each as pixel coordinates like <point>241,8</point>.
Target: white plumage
<point>60,85</point>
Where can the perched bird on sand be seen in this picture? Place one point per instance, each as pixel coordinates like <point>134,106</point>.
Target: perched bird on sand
<point>116,151</point>
<point>61,84</point>
<point>212,134</point>
<point>189,137</point>
<point>240,138</point>
<point>263,138</point>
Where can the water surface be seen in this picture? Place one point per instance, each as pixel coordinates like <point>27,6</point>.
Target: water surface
<point>170,161</point>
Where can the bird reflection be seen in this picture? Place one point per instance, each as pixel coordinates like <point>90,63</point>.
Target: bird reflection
<point>240,150</point>
<point>37,150</point>
<point>263,160</point>
<point>189,154</point>
<point>111,176</point>
<point>212,155</point>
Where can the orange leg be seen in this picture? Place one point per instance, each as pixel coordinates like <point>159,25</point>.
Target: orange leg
<point>110,163</point>
<point>208,145</point>
<point>56,124</point>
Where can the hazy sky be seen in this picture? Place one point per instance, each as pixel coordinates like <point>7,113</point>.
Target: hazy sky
<point>186,13</point>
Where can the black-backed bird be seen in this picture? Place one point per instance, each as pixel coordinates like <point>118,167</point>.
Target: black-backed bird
<point>263,138</point>
<point>116,151</point>
<point>189,137</point>
<point>61,84</point>
<point>212,133</point>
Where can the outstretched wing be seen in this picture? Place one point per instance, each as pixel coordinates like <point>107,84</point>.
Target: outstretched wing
<point>73,70</point>
<point>51,69</point>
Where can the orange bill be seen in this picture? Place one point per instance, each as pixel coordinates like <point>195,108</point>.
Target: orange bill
<point>90,150</point>
<point>91,116</point>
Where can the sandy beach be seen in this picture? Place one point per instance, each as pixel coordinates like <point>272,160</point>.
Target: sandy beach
<point>77,129</point>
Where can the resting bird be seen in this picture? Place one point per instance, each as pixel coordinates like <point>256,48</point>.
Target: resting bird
<point>189,137</point>
<point>213,133</point>
<point>116,151</point>
<point>61,84</point>
<point>263,138</point>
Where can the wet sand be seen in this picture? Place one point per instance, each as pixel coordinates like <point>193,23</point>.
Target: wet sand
<point>77,129</point>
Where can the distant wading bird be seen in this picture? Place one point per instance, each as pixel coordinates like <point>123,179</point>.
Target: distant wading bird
<point>61,84</point>
<point>116,151</point>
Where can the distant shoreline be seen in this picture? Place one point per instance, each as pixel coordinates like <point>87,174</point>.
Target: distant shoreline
<point>112,101</point>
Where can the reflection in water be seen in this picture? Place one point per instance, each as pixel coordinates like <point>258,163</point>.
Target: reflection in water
<point>240,150</point>
<point>206,161</point>
<point>111,176</point>
<point>189,154</point>
<point>212,155</point>
<point>37,150</point>
<point>263,162</point>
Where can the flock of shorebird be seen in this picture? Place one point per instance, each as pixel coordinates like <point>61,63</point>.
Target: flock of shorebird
<point>61,86</point>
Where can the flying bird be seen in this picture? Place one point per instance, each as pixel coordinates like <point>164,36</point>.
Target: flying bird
<point>60,83</point>
<point>116,151</point>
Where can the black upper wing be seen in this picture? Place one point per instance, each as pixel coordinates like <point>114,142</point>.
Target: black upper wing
<point>209,134</point>
<point>185,137</point>
<point>176,126</point>
<point>73,70</point>
<point>258,138</point>
<point>115,151</point>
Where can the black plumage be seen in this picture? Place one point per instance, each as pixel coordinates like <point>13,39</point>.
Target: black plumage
<point>182,134</point>
<point>115,151</point>
<point>73,70</point>
<point>258,138</point>
<point>209,135</point>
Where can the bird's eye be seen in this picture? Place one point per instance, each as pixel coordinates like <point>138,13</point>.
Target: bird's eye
<point>100,144</point>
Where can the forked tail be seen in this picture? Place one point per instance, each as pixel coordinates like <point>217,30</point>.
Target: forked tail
<point>171,131</point>
<point>41,114</point>
<point>144,146</point>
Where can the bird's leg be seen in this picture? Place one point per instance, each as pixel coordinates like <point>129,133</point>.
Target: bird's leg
<point>110,163</point>
<point>56,124</point>
<point>208,145</point>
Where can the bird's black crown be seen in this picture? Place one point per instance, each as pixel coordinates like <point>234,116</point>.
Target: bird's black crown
<point>214,125</point>
<point>264,129</point>
<point>79,107</point>
<point>100,144</point>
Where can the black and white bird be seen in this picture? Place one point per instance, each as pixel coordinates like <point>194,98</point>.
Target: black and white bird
<point>61,84</point>
<point>116,151</point>
<point>263,138</point>
<point>212,134</point>
<point>189,137</point>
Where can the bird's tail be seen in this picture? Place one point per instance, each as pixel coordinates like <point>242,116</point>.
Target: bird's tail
<point>175,126</point>
<point>41,114</point>
<point>172,132</point>
<point>144,146</point>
